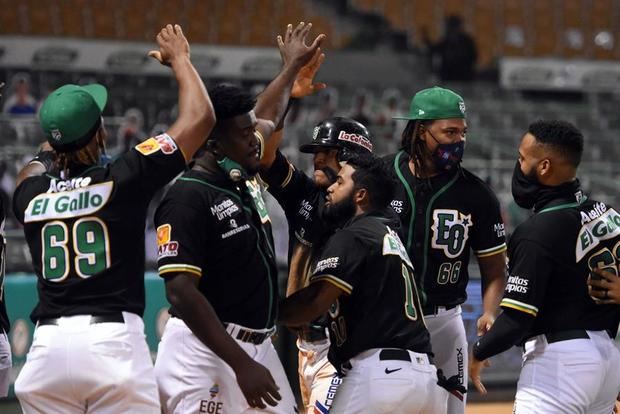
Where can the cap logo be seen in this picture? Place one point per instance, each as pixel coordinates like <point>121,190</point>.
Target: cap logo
<point>421,112</point>
<point>462,107</point>
<point>315,133</point>
<point>56,135</point>
<point>356,139</point>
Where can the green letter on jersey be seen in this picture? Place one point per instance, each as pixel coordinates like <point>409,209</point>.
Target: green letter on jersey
<point>410,294</point>
<point>55,254</point>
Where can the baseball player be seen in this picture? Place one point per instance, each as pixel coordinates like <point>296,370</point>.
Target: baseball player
<point>5,347</point>
<point>445,211</point>
<point>217,258</point>
<point>302,198</point>
<point>84,224</point>
<point>570,361</point>
<point>364,279</point>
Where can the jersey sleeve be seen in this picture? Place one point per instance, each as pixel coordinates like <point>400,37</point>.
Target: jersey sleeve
<point>341,262</point>
<point>150,165</point>
<point>25,192</point>
<point>530,269</point>
<point>181,241</point>
<point>286,183</point>
<point>489,235</point>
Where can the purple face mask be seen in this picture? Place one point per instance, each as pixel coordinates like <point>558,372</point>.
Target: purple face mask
<point>447,156</point>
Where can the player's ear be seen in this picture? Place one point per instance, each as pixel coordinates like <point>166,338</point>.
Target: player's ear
<point>361,197</point>
<point>544,167</point>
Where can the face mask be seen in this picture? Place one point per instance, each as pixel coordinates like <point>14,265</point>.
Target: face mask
<point>525,188</point>
<point>447,156</point>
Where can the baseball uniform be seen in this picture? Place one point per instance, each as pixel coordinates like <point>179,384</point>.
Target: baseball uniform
<point>443,218</point>
<point>218,230</point>
<point>570,360</point>
<point>5,347</point>
<point>86,237</point>
<point>379,341</point>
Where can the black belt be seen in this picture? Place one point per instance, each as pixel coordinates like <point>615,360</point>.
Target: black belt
<point>433,310</point>
<point>566,335</point>
<point>313,334</point>
<point>256,338</point>
<point>112,317</point>
<point>394,355</point>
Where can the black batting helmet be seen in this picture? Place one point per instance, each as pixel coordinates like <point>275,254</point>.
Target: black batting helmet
<point>345,134</point>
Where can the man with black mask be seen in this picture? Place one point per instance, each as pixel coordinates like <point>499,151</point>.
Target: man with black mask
<point>446,211</point>
<point>570,359</point>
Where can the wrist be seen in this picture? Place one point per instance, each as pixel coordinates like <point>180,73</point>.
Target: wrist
<point>240,362</point>
<point>179,60</point>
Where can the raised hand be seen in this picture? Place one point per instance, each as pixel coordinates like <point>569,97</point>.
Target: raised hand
<point>172,45</point>
<point>293,48</point>
<point>304,85</point>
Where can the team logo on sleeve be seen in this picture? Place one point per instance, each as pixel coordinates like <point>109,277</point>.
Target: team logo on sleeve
<point>165,246</point>
<point>166,143</point>
<point>393,245</point>
<point>450,231</point>
<point>604,227</point>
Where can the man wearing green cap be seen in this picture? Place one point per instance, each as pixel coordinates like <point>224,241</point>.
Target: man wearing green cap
<point>446,211</point>
<point>84,224</point>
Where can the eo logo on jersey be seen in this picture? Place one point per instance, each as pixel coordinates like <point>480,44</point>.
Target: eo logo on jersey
<point>68,204</point>
<point>393,245</point>
<point>606,227</point>
<point>450,231</point>
<point>166,247</point>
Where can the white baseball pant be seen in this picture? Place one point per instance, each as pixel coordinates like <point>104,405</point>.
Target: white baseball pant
<point>449,342</point>
<point>318,379</point>
<point>5,364</point>
<point>76,367</point>
<point>576,376</point>
<point>193,379</point>
<point>376,386</point>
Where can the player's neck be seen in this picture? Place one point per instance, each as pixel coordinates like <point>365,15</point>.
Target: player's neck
<point>429,169</point>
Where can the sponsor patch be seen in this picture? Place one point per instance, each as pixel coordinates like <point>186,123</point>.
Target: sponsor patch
<point>148,147</point>
<point>165,246</point>
<point>68,204</point>
<point>397,206</point>
<point>210,407</point>
<point>329,263</point>
<point>235,230</point>
<point>167,144</point>
<point>517,284</point>
<point>225,209</point>
<point>499,229</point>
<point>356,139</point>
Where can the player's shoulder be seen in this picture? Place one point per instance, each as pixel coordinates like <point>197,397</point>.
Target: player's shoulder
<point>477,189</point>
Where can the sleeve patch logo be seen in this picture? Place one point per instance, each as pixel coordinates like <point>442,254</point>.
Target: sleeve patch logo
<point>329,263</point>
<point>517,284</point>
<point>392,245</point>
<point>165,246</point>
<point>167,144</point>
<point>148,147</point>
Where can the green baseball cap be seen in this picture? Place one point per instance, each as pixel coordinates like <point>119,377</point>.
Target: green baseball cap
<point>435,103</point>
<point>71,115</point>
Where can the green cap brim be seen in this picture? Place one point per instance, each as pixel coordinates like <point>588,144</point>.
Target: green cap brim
<point>99,94</point>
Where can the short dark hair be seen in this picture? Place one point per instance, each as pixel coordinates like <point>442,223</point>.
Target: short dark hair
<point>563,137</point>
<point>373,174</point>
<point>230,100</point>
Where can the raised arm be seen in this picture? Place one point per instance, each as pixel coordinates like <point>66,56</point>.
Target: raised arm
<point>196,116</point>
<point>272,103</point>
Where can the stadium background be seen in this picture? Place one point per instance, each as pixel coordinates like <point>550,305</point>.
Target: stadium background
<point>535,59</point>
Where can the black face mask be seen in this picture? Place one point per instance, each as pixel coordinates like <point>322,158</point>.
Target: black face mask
<point>525,188</point>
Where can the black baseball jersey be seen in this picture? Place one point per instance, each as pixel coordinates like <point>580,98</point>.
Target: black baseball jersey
<point>550,257</point>
<point>441,223</point>
<point>4,318</point>
<point>380,307</point>
<point>220,231</point>
<point>86,233</point>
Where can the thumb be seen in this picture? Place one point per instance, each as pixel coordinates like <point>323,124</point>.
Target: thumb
<point>156,54</point>
<point>319,86</point>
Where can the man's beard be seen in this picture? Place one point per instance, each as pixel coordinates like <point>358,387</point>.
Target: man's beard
<point>336,214</point>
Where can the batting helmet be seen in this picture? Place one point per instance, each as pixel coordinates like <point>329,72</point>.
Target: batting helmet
<point>345,134</point>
